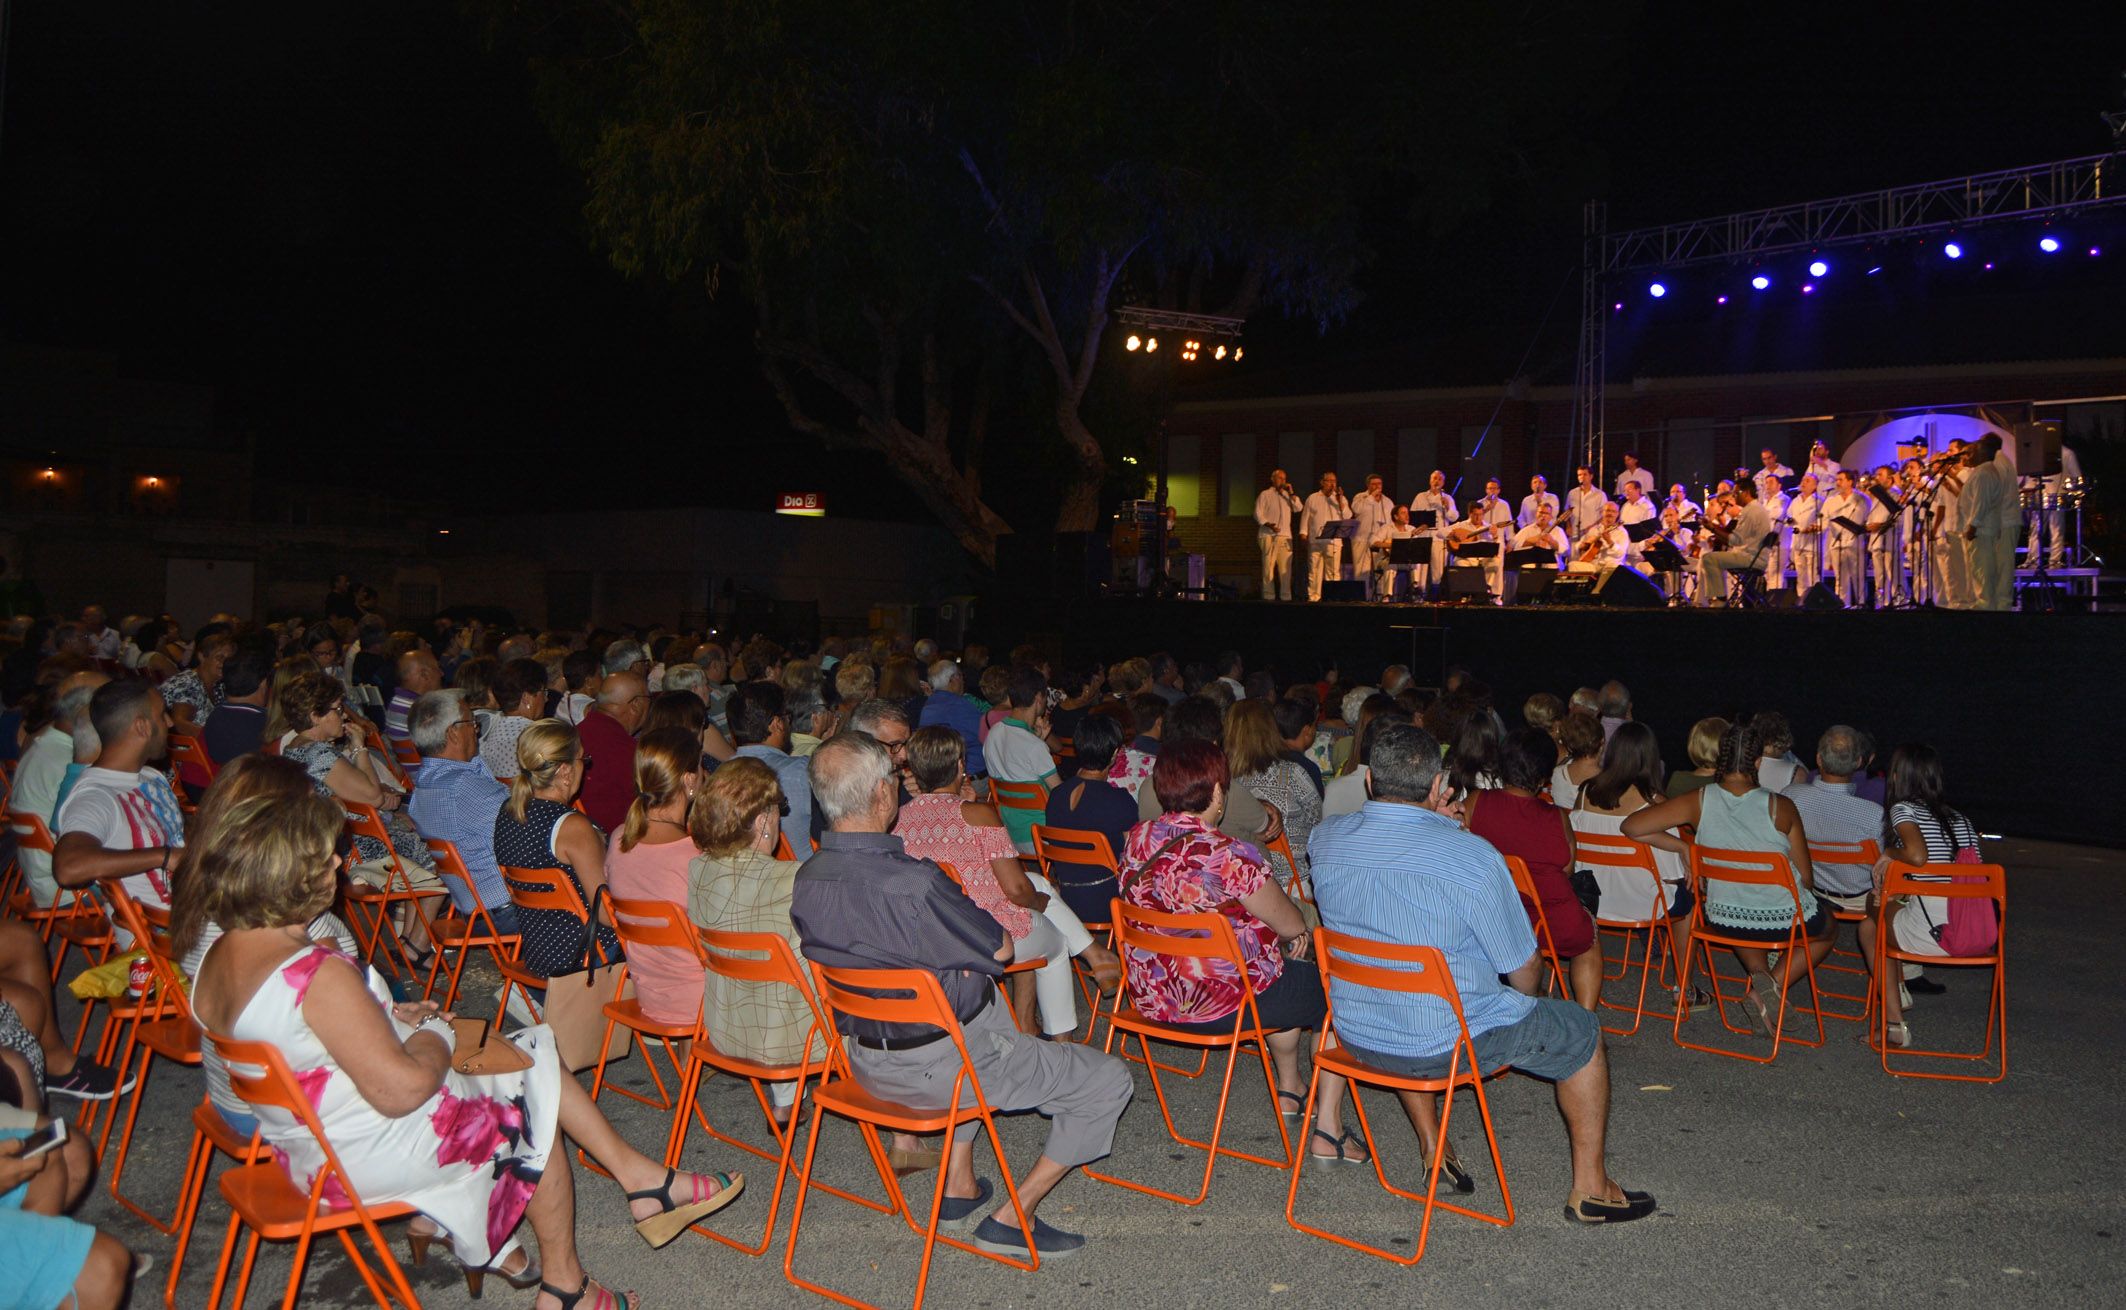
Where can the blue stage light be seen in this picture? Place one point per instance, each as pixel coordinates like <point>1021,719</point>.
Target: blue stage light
<point>1657,290</point>
<point>1819,269</point>
<point>1953,251</point>
<point>1873,271</point>
<point>1808,288</point>
<point>2050,245</point>
<point>1719,300</point>
<point>1760,281</point>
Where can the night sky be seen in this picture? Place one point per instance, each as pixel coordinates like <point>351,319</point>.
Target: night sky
<point>350,221</point>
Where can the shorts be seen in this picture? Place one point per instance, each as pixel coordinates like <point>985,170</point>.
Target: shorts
<point>42,1254</point>
<point>1816,925</point>
<point>1295,1000</point>
<point>1553,1041</point>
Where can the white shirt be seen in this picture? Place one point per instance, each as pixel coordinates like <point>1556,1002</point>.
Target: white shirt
<point>1394,532</point>
<point>1374,514</point>
<point>1687,509</point>
<point>104,645</point>
<point>1805,512</point>
<point>1635,511</point>
<point>1854,507</point>
<point>1440,503</point>
<point>1777,504</point>
<point>1824,471</point>
<point>37,778</point>
<point>1494,515</point>
<point>1772,479</point>
<point>1273,511</point>
<point>1615,542</point>
<point>1643,477</point>
<point>572,707</point>
<point>1321,512</point>
<point>1583,508</point>
<point>1531,503</point>
<point>1878,516</point>
<point>1015,755</point>
<point>126,812</point>
<point>1533,537</point>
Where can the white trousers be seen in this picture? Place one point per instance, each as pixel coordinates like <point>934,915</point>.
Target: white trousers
<point>1849,572</point>
<point>1992,569</point>
<point>1276,566</point>
<point>1808,561</point>
<point>1889,573</point>
<point>1058,934</point>
<point>2043,521</point>
<point>1325,562</point>
<point>1951,572</point>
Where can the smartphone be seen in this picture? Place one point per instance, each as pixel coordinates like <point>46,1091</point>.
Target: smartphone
<point>44,1139</point>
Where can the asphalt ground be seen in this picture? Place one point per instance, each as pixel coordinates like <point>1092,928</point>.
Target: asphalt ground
<point>1816,1180</point>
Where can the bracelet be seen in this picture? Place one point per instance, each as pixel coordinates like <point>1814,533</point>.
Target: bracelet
<point>436,1024</point>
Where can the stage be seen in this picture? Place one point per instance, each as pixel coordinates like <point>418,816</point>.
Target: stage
<point>2025,707</point>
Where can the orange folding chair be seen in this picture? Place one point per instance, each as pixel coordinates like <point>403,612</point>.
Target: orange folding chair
<point>1950,882</point>
<point>265,1201</point>
<point>389,750</point>
<point>456,935</point>
<point>1020,795</point>
<point>656,926</point>
<point>902,996</point>
<point>188,753</point>
<point>370,909</point>
<point>1178,937</point>
<point>1524,883</point>
<point>1082,849</point>
<point>1412,971</point>
<point>761,959</point>
<point>1761,868</point>
<point>1019,967</point>
<point>535,889</point>
<point>1282,846</point>
<point>782,847</point>
<point>32,834</point>
<point>1863,853</point>
<point>161,1025</point>
<point>1631,860</point>
<point>211,1136</point>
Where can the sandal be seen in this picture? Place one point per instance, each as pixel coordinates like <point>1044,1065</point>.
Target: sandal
<point>1349,1149</point>
<point>673,1220</point>
<point>905,1161</point>
<point>1898,1035</point>
<point>1584,1209</point>
<point>603,1301</point>
<point>418,1242</point>
<point>1452,1172</point>
<point>1299,1104</point>
<point>1760,1013</point>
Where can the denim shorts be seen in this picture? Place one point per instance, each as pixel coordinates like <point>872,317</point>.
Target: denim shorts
<point>1553,1041</point>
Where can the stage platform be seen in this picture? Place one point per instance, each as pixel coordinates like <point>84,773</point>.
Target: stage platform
<point>2025,707</point>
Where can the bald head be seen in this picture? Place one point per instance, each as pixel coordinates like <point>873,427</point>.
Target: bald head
<point>626,697</point>
<point>1841,752</point>
<point>419,673</point>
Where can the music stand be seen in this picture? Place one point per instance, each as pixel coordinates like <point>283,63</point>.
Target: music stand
<point>1410,552</point>
<point>1663,557</point>
<point>1477,550</point>
<point>1642,530</point>
<point>1857,529</point>
<point>1424,518</point>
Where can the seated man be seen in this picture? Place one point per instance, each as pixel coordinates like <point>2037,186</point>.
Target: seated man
<point>863,903</point>
<point>1746,548</point>
<point>949,705</point>
<point>419,674</point>
<point>238,725</point>
<point>122,820</point>
<point>1016,749</point>
<point>760,728</point>
<point>1399,871</point>
<point>43,768</point>
<point>455,798</point>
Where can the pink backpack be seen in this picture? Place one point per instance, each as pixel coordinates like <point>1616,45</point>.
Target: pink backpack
<point>1973,927</point>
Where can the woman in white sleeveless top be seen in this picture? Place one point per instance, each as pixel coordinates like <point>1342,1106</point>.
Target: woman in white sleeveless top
<point>1629,782</point>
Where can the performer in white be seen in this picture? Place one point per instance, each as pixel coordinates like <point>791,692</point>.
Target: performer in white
<point>1325,555</point>
<point>1804,514</point>
<point>1583,504</point>
<point>1990,510</point>
<point>1436,499</point>
<point>1678,585</point>
<point>1275,509</point>
<point>1602,546</point>
<point>1687,510</point>
<point>1374,512</point>
<point>1543,534</point>
<point>1848,549</point>
<point>1773,476</point>
<point>1539,495</point>
<point>1951,577</point>
<point>1384,571</point>
<point>1631,472</point>
<point>1638,507</point>
<point>1821,466</point>
<point>1885,551</point>
<point>1912,531</point>
<point>1779,505</point>
<point>1496,518</point>
<point>2047,513</point>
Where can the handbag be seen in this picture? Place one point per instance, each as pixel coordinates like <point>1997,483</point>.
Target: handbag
<point>1586,889</point>
<point>576,1001</point>
<point>477,1049</point>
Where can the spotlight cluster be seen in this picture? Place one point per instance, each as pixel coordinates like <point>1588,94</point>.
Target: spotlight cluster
<point>1197,334</point>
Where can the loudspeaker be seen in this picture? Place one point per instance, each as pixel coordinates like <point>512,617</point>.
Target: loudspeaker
<point>1532,586</point>
<point>1822,596</point>
<point>1624,587</point>
<point>1343,590</point>
<point>1462,582</point>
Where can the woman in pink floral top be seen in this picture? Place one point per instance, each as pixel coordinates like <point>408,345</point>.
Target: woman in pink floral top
<point>1180,863</point>
<point>468,1152</point>
<point>944,823</point>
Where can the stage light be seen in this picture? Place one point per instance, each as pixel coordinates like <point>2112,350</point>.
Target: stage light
<point>1218,353</point>
<point>1953,251</point>
<point>1135,342</point>
<point>1719,300</point>
<point>1989,266</point>
<point>1873,271</point>
<point>1129,459</point>
<point>1618,307</point>
<point>1819,269</point>
<point>2050,245</point>
<point>1808,288</point>
<point>1236,354</point>
<point>1657,290</point>
<point>2094,251</point>
<point>1760,282</point>
<point>50,474</point>
<point>1150,344</point>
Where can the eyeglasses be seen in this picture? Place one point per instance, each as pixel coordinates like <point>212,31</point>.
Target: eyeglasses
<point>782,807</point>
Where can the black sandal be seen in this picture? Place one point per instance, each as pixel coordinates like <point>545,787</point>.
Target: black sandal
<point>1299,1104</point>
<point>671,1220</point>
<point>1356,1155</point>
<point>1451,1170</point>
<point>606,1300</point>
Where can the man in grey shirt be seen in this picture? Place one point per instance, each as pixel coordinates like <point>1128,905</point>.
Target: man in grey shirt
<point>862,902</point>
<point>1831,812</point>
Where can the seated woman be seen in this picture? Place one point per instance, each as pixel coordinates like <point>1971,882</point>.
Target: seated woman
<point>944,823</point>
<point>1180,863</point>
<point>1579,738</point>
<point>735,884</point>
<point>536,829</point>
<point>1779,768</point>
<point>1088,802</point>
<point>1735,814</point>
<point>1254,751</point>
<point>471,1153</point>
<point>1520,823</point>
<point>520,701</point>
<point>1629,782</point>
<point>648,860</point>
<point>1703,747</point>
<point>1919,827</point>
<point>328,744</point>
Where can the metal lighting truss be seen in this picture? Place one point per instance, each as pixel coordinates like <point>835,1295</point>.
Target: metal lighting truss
<point>2063,187</point>
<point>1168,320</point>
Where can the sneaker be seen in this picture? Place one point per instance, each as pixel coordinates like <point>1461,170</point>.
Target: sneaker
<point>1002,1239</point>
<point>957,1210</point>
<point>88,1081</point>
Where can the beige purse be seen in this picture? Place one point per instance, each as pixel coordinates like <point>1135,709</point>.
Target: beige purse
<point>476,1048</point>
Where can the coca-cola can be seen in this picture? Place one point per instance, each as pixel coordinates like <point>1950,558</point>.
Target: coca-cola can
<point>138,975</point>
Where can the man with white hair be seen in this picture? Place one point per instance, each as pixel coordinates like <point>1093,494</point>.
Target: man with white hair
<point>715,665</point>
<point>863,903</point>
<point>687,677</point>
<point>949,705</point>
<point>455,799</point>
<point>1393,679</point>
<point>625,656</point>
<point>925,652</point>
<point>1613,703</point>
<point>42,769</point>
<point>104,640</point>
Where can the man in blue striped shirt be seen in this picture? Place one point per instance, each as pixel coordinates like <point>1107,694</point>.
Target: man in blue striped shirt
<point>1400,871</point>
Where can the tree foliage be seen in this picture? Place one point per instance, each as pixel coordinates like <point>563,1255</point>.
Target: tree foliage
<point>920,199</point>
